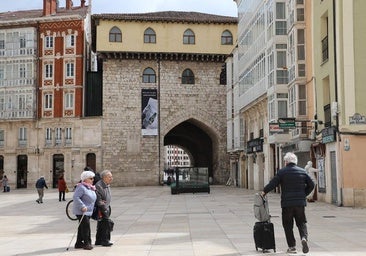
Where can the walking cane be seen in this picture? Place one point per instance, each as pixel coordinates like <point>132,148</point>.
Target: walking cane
<point>81,219</point>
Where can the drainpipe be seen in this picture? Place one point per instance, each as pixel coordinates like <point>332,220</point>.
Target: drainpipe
<point>340,203</point>
<point>335,66</point>
<point>159,119</point>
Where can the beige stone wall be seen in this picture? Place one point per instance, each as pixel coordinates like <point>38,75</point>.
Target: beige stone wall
<point>134,158</point>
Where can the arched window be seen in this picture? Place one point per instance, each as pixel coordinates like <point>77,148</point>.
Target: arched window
<point>149,36</point>
<point>226,38</point>
<point>187,77</point>
<point>148,76</point>
<point>115,35</point>
<point>188,37</point>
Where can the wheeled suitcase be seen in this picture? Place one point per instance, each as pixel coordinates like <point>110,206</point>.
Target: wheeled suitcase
<point>264,236</point>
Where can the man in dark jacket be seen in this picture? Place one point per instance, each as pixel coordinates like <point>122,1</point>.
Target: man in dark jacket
<point>104,225</point>
<point>40,185</point>
<point>295,184</point>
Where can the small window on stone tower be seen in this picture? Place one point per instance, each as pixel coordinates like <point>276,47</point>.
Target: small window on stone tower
<point>148,76</point>
<point>187,77</point>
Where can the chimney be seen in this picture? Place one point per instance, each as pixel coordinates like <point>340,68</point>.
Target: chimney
<point>49,7</point>
<point>69,4</point>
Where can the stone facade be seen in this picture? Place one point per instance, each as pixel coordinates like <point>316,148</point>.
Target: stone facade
<point>135,159</point>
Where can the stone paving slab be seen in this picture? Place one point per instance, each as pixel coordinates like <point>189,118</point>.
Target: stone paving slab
<point>149,221</point>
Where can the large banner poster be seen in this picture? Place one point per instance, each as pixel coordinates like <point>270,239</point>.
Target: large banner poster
<point>149,112</point>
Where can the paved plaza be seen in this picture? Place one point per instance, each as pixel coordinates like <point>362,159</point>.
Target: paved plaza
<point>149,221</point>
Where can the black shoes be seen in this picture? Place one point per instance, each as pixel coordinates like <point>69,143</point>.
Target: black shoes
<point>88,247</point>
<point>79,246</point>
<point>305,247</point>
<point>83,246</point>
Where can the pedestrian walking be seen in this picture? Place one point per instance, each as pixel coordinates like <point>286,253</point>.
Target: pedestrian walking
<point>40,185</point>
<point>61,185</point>
<point>5,183</point>
<point>84,200</point>
<point>312,173</point>
<point>105,224</point>
<point>295,185</point>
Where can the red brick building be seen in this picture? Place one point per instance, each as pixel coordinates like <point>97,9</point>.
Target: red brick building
<point>62,58</point>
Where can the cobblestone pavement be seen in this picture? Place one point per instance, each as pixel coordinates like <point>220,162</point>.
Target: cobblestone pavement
<point>149,221</point>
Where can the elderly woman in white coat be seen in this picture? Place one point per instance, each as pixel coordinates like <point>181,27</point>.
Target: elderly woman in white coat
<point>84,200</point>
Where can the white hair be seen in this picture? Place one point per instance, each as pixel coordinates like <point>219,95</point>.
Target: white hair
<point>290,158</point>
<point>86,175</point>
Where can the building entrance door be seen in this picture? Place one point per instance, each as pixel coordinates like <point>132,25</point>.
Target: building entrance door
<point>22,171</point>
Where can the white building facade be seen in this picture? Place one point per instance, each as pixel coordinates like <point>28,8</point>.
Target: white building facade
<point>259,98</point>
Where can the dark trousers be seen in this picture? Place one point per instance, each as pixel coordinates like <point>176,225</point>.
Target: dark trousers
<point>103,231</point>
<point>289,214</point>
<point>83,237</point>
<point>61,194</point>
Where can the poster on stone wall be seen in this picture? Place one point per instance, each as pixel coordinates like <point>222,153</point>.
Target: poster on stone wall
<point>149,112</point>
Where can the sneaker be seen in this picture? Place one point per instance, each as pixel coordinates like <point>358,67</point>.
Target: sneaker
<point>305,247</point>
<point>291,250</point>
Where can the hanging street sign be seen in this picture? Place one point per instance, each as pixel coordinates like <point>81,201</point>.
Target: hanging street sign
<point>288,122</point>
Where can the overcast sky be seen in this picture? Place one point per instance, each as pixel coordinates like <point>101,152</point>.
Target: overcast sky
<point>220,7</point>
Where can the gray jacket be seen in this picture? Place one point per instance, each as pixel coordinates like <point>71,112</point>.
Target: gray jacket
<point>103,198</point>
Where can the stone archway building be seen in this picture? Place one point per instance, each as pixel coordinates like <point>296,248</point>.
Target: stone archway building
<point>190,114</point>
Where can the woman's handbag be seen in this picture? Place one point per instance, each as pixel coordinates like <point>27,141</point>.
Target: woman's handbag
<point>67,190</point>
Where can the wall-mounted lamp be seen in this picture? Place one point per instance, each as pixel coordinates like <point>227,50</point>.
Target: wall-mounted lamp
<point>254,157</point>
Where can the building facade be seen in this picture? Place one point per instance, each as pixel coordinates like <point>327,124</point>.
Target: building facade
<point>44,56</point>
<point>339,63</point>
<point>163,84</point>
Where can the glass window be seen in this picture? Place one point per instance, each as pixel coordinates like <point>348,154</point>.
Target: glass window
<point>188,37</point>
<point>22,42</point>
<point>148,76</point>
<point>22,135</point>
<point>70,69</point>
<point>281,76</point>
<point>2,44</point>
<point>48,136</point>
<point>2,137</point>
<point>69,100</point>
<point>300,14</point>
<point>49,42</point>
<point>281,28</point>
<point>226,38</point>
<point>149,36</point>
<point>48,69</point>
<point>48,98</point>
<point>115,35</point>
<point>68,133</point>
<point>282,108</point>
<point>187,77</point>
<point>302,99</point>
<point>22,71</point>
<point>58,136</point>
<point>281,59</point>
<point>301,70</point>
<point>70,41</point>
<point>280,10</point>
